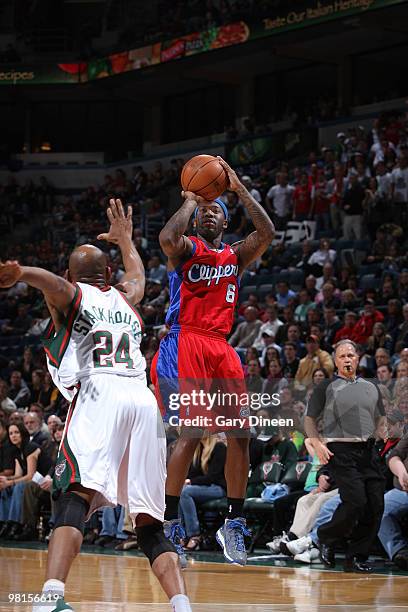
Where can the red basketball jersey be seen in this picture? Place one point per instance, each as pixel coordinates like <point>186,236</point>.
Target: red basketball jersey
<point>204,290</point>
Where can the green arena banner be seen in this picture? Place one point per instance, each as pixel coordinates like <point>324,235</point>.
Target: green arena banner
<point>119,63</point>
<point>42,75</point>
<point>306,14</point>
<point>217,37</point>
<point>312,13</point>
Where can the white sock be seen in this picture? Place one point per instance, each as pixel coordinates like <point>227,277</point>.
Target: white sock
<point>50,586</point>
<point>180,603</point>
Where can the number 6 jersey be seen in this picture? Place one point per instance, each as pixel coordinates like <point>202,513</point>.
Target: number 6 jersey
<point>101,334</point>
<point>204,290</point>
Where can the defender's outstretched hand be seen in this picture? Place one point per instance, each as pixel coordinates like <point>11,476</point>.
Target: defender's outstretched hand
<point>10,273</point>
<point>121,225</point>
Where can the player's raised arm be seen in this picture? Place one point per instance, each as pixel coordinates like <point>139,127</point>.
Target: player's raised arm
<point>258,241</point>
<point>172,239</point>
<point>58,292</point>
<point>120,233</point>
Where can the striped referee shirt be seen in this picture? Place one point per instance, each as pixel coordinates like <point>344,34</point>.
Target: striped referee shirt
<point>349,409</point>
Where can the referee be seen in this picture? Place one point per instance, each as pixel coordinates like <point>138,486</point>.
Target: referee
<point>351,409</point>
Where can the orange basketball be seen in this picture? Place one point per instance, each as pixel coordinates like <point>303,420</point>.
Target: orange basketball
<point>204,175</point>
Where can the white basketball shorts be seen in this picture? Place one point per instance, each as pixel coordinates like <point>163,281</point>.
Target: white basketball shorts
<point>114,443</point>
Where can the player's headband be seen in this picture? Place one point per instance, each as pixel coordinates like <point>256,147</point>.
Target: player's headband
<point>221,205</point>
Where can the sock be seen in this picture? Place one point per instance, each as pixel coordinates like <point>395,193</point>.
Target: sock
<point>292,536</point>
<point>235,508</point>
<point>50,586</point>
<point>172,504</point>
<point>180,603</point>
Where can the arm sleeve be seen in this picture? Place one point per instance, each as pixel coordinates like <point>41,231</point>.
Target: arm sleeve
<point>316,403</point>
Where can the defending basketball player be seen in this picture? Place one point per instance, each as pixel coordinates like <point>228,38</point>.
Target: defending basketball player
<point>204,275</point>
<point>113,449</point>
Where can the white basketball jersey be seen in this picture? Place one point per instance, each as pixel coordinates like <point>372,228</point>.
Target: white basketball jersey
<point>101,335</point>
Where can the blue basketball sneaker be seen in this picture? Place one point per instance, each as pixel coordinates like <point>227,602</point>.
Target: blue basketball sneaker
<point>231,539</point>
<point>174,532</point>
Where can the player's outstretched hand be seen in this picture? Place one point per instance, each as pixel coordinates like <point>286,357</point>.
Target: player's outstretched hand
<point>10,273</point>
<point>121,225</point>
<point>234,182</point>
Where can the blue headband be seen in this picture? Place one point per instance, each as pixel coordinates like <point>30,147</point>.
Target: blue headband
<point>221,205</point>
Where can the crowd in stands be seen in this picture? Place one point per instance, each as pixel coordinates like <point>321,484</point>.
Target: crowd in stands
<point>295,303</point>
<point>174,19</point>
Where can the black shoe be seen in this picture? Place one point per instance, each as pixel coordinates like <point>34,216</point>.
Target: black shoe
<point>104,541</point>
<point>26,535</point>
<point>353,564</point>
<point>327,555</point>
<point>5,528</point>
<point>401,559</point>
<point>90,537</point>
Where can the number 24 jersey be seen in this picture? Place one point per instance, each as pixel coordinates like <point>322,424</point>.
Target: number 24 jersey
<point>101,334</point>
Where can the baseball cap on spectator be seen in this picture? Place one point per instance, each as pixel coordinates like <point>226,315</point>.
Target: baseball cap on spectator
<point>268,333</point>
<point>369,302</point>
<point>312,338</point>
<point>341,135</point>
<point>246,178</point>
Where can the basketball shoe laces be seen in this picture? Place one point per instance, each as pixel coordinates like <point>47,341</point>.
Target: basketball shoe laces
<point>240,530</point>
<point>177,534</point>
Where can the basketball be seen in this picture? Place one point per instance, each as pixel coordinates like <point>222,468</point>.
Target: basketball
<point>204,175</point>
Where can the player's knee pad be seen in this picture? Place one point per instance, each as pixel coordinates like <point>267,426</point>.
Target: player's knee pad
<point>71,510</point>
<point>153,542</point>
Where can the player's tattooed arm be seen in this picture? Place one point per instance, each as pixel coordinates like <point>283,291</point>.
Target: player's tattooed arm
<point>258,241</point>
<point>57,291</point>
<point>172,239</point>
<point>121,233</point>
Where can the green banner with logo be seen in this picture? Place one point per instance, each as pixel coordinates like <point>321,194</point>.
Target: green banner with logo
<point>305,14</point>
<point>41,75</point>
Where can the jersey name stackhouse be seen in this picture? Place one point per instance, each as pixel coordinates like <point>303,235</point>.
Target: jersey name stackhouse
<point>101,334</point>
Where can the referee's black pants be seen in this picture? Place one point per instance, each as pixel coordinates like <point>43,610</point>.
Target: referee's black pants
<point>356,468</point>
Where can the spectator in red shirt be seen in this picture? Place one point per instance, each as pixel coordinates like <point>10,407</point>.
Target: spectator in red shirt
<point>320,202</point>
<point>364,326</point>
<point>302,199</point>
<point>335,192</point>
<point>345,332</point>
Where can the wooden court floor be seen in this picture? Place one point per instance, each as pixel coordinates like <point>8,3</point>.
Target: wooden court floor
<point>123,582</point>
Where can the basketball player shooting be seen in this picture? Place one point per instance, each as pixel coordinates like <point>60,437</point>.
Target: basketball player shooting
<point>114,446</point>
<point>204,275</point>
